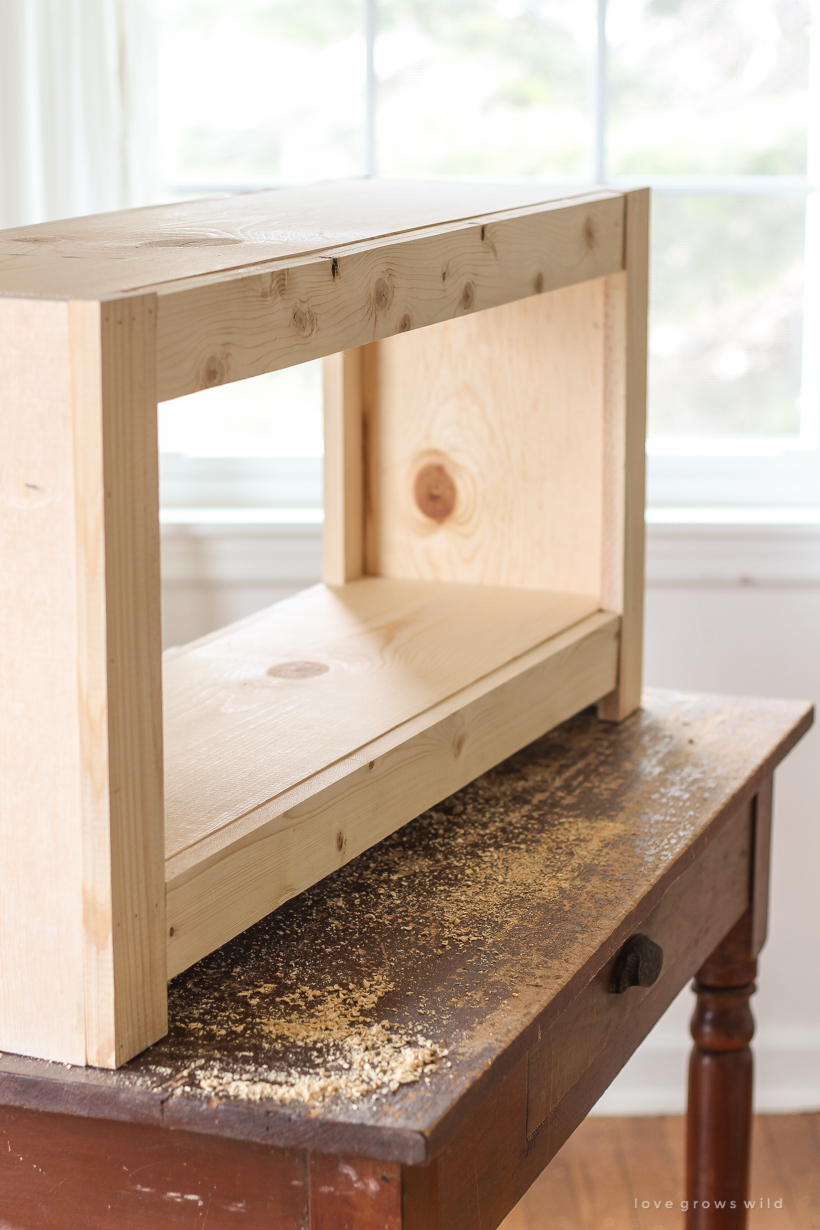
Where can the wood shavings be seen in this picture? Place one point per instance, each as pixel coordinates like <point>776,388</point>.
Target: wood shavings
<point>357,1056</point>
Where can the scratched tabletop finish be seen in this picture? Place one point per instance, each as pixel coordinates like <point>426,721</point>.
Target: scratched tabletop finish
<point>363,1014</point>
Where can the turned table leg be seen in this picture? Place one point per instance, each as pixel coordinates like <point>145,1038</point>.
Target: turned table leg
<point>719,1119</point>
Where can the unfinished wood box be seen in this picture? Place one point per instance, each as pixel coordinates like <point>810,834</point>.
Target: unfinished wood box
<point>484,481</point>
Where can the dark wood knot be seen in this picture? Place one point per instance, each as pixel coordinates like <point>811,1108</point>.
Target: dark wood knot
<point>435,492</point>
<point>638,964</point>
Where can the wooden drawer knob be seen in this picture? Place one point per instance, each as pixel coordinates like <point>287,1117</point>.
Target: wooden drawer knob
<point>638,964</point>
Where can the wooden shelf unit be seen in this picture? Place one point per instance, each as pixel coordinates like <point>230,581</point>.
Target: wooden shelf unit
<point>485,355</point>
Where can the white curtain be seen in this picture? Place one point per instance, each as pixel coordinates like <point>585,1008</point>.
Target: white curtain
<point>78,107</point>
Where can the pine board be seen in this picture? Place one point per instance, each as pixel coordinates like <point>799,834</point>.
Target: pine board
<point>379,653</point>
<point>107,255</point>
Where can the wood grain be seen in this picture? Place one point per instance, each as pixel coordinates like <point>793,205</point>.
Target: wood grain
<point>343,533</point>
<point>509,405</point>
<point>106,255</point>
<point>228,327</point>
<point>258,707</point>
<point>83,975</point>
<point>627,334</point>
<point>133,647</point>
<point>221,886</point>
<point>42,1009</point>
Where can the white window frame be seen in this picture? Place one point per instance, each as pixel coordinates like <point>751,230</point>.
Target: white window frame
<point>732,478</point>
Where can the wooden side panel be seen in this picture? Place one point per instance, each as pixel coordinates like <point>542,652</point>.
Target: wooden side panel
<point>41,826</point>
<point>82,977</point>
<point>485,441</point>
<point>131,467</point>
<point>626,453</point>
<point>343,539</point>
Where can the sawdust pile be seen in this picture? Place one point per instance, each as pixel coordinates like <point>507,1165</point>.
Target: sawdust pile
<point>353,1054</point>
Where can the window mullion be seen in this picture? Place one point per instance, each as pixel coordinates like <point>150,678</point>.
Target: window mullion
<point>369,14</point>
<point>600,96</point>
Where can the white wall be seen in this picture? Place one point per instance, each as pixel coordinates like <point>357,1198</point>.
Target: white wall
<point>729,609</point>
<point>737,609</point>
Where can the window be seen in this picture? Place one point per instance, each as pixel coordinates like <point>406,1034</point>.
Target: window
<point>715,103</point>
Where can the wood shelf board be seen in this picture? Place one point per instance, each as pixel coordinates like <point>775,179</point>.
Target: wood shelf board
<point>231,879</point>
<point>108,255</point>
<point>350,664</point>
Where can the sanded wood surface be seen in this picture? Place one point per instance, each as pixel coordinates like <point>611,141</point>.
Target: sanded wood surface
<point>241,323</point>
<point>231,878</point>
<point>470,932</point>
<point>343,486</point>
<point>82,901</point>
<point>41,926</point>
<point>256,708</point>
<point>104,255</point>
<point>260,281</point>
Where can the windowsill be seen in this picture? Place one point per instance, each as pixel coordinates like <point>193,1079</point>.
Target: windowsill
<point>664,515</point>
<point>655,515</point>
<point>241,516</point>
<point>697,547</point>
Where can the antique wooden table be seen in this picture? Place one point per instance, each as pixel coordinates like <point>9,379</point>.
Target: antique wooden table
<point>408,1043</point>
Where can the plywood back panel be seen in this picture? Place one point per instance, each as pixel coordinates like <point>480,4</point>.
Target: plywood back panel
<point>485,446</point>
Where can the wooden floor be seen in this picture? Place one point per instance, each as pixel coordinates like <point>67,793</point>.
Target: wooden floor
<point>610,1163</point>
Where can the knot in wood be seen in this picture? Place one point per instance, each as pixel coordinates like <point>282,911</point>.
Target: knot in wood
<point>467,296</point>
<point>435,492</point>
<point>638,964</point>
<point>381,294</point>
<point>304,320</point>
<point>214,372</point>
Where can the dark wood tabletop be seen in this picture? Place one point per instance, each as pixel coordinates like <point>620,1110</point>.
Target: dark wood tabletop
<point>371,1013</point>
